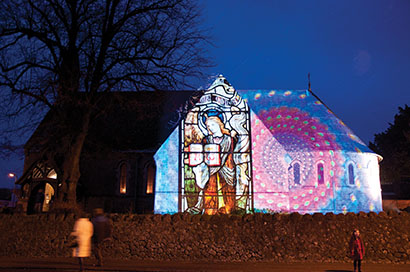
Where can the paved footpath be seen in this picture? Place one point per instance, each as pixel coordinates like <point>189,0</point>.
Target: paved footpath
<point>70,264</point>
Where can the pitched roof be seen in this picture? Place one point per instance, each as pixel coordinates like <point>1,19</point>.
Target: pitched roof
<point>300,114</point>
<point>142,120</point>
<point>128,120</point>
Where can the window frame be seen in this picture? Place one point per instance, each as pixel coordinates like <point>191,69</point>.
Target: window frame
<point>351,174</point>
<point>120,175</point>
<point>148,166</point>
<point>293,169</point>
<point>318,174</point>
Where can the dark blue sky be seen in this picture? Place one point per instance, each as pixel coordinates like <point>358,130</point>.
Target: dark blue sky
<point>358,54</point>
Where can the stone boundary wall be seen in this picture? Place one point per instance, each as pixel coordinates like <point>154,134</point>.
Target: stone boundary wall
<point>395,204</point>
<point>259,237</point>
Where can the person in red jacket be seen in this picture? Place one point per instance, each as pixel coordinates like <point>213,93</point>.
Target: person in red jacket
<point>356,247</point>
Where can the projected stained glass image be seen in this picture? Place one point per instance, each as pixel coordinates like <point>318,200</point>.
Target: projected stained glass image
<point>216,154</point>
<point>264,151</point>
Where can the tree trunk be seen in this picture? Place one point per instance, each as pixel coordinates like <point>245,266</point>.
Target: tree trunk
<point>71,165</point>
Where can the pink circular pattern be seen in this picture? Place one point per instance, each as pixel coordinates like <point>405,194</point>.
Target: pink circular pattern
<point>282,137</point>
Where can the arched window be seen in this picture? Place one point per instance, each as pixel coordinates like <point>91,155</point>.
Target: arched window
<point>351,174</point>
<point>150,178</point>
<point>208,147</point>
<point>123,178</point>
<point>296,173</point>
<point>320,174</point>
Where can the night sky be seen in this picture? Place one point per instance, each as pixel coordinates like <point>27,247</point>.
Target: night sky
<point>357,52</point>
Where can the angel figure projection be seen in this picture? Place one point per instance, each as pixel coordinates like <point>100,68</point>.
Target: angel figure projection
<point>217,162</point>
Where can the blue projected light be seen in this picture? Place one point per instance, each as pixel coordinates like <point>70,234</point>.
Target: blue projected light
<point>302,158</point>
<point>166,185</point>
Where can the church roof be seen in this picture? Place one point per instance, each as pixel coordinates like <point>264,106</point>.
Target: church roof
<point>127,120</point>
<point>143,120</point>
<point>299,115</point>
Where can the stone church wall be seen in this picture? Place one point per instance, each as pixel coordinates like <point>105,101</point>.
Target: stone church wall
<point>259,237</point>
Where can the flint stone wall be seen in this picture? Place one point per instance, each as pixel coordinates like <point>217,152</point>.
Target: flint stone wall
<point>258,237</point>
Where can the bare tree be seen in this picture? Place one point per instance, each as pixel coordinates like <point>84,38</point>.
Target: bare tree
<point>60,55</point>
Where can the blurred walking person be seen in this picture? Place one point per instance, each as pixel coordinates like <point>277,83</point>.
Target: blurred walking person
<point>356,247</point>
<point>83,231</point>
<point>102,233</point>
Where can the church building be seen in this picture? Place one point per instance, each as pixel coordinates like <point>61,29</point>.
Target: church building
<point>264,151</point>
<point>218,151</point>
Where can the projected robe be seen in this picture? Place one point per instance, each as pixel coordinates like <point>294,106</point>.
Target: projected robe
<point>264,151</point>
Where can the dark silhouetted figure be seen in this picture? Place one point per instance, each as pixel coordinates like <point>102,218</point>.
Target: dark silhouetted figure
<point>38,204</point>
<point>356,247</point>
<point>102,233</point>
